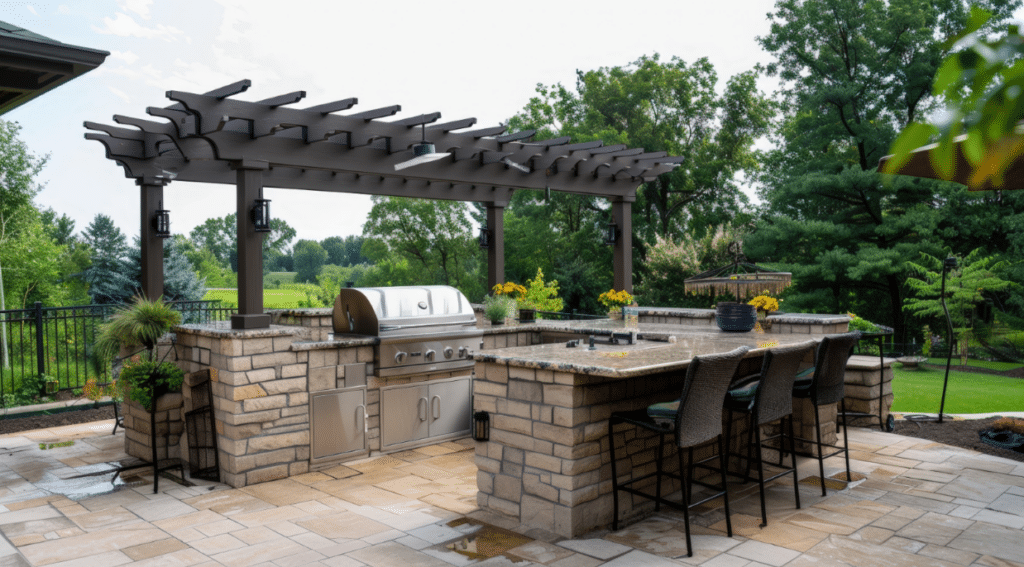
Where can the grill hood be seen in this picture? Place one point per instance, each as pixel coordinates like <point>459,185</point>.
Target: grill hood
<point>401,311</point>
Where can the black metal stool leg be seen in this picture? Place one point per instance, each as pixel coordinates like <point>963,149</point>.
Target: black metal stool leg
<point>658,472</point>
<point>846,441</point>
<point>821,453</point>
<point>796,481</point>
<point>723,462</point>
<point>760,476</point>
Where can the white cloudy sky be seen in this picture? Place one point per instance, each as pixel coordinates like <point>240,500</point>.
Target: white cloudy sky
<point>463,58</point>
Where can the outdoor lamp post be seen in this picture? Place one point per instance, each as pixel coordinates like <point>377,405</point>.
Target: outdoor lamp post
<point>947,265</point>
<point>162,223</point>
<point>261,215</point>
<point>613,234</point>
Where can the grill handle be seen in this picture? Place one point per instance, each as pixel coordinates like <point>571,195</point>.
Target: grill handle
<point>418,325</point>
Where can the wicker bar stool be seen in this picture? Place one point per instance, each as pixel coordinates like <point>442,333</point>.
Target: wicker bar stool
<point>765,401</point>
<point>694,420</point>
<point>826,386</point>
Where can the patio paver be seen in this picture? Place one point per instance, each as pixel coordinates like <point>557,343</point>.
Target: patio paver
<point>921,504</point>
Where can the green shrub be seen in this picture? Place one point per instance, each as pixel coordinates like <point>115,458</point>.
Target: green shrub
<point>136,376</point>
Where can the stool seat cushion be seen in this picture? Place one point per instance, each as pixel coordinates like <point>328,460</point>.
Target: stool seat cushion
<point>804,379</point>
<point>663,410</point>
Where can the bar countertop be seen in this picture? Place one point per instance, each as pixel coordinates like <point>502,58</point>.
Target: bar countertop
<point>644,357</point>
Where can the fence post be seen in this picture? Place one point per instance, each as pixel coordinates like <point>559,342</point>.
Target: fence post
<point>40,349</point>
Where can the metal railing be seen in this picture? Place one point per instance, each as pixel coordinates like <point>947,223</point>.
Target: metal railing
<point>57,341</point>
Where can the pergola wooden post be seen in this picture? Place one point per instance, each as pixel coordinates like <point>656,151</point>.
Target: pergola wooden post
<point>151,195</point>
<point>622,252</point>
<point>213,138</point>
<point>250,247</point>
<point>496,250</point>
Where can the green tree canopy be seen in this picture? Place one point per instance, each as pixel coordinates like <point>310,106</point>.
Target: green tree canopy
<point>107,274</point>
<point>310,257</point>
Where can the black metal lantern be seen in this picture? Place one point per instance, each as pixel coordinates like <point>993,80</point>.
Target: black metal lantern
<point>485,237</point>
<point>481,426</point>
<point>162,223</point>
<point>613,234</point>
<point>261,215</point>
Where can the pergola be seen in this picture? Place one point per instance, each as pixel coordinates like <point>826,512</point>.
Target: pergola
<point>213,138</point>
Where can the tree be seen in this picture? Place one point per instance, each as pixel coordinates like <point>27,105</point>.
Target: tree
<point>220,236</point>
<point>309,259</point>
<point>337,254</point>
<point>966,286</point>
<point>107,275</point>
<point>434,237</point>
<point>853,73</point>
<point>181,282</point>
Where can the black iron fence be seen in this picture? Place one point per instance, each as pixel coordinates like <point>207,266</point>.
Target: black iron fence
<point>54,344</point>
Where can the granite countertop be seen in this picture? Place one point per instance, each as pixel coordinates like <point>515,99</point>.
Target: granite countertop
<point>645,357</point>
<point>598,327</point>
<point>338,341</point>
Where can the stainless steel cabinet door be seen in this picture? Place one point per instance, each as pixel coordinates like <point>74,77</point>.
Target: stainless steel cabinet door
<point>450,407</point>
<point>338,422</point>
<point>404,412</point>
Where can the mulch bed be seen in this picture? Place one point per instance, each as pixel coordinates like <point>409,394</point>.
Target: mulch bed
<point>14,425</point>
<point>958,433</point>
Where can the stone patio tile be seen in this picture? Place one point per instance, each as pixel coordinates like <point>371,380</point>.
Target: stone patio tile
<point>983,464</point>
<point>227,502</point>
<point>925,504</point>
<point>904,544</point>
<point>311,478</point>
<point>577,560</point>
<point>932,476</point>
<point>252,554</point>
<point>188,521</point>
<point>783,533</point>
<point>973,489</point>
<point>985,538</point>
<point>313,541</point>
<point>183,558</point>
<point>105,559</point>
<point>283,492</point>
<point>106,519</point>
<point>166,508</point>
<point>502,561</point>
<point>827,521</point>
<point>639,558</point>
<point>217,544</point>
<point>258,534</point>
<point>36,527</point>
<point>342,524</point>
<point>154,549</point>
<point>540,552</point>
<point>599,548</point>
<point>726,560</point>
<point>413,542</point>
<point>948,554</point>
<point>219,527</point>
<point>935,528</point>
<point>435,533</point>
<point>342,546</point>
<point>1009,503</point>
<point>30,514</point>
<point>394,554</point>
<point>300,559</point>
<point>871,534</point>
<point>1000,518</point>
<point>120,498</point>
<point>385,536</point>
<point>963,511</point>
<point>764,553</point>
<point>938,454</point>
<point>451,504</point>
<point>363,495</point>
<point>95,543</point>
<point>342,561</point>
<point>269,516</point>
<point>989,561</point>
<point>844,551</point>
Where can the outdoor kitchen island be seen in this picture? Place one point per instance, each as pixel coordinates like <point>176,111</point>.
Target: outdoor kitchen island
<point>547,461</point>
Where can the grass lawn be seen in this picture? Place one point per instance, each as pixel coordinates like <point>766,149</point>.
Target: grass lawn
<point>997,366</point>
<point>920,390</point>
<point>272,298</point>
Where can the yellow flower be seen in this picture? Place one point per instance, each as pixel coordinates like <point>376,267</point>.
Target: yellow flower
<point>765,303</point>
<point>615,299</point>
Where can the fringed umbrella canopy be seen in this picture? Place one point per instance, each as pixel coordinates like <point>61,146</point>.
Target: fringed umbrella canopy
<point>741,278</point>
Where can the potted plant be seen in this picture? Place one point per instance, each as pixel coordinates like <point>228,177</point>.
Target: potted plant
<point>52,385</point>
<point>764,305</point>
<point>527,311</point>
<point>137,328</point>
<point>496,308</point>
<point>615,301</point>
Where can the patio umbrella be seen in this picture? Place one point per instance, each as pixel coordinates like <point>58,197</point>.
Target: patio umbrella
<point>744,279</point>
<point>920,165</point>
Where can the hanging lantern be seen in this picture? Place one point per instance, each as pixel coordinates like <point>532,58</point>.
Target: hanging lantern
<point>485,237</point>
<point>261,215</point>
<point>613,234</point>
<point>162,223</point>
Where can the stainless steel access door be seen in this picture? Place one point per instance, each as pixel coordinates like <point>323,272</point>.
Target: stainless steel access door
<point>337,424</point>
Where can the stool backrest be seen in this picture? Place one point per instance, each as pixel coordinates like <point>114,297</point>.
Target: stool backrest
<point>774,397</point>
<point>830,367</point>
<point>699,418</point>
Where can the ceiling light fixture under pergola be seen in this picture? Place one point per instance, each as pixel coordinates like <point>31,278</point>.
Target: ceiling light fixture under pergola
<point>424,152</point>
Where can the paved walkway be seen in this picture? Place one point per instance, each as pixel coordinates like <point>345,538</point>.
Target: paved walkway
<point>921,504</point>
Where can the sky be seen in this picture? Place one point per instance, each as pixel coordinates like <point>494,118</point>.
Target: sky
<point>460,58</point>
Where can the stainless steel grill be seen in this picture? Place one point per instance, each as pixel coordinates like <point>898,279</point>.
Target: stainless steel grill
<point>422,329</point>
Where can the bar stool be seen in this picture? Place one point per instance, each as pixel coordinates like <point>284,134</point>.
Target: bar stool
<point>765,401</point>
<point>826,386</point>
<point>695,419</point>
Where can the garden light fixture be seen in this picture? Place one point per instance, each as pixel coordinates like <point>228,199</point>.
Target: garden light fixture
<point>485,237</point>
<point>261,215</point>
<point>613,234</point>
<point>424,152</point>
<point>162,223</point>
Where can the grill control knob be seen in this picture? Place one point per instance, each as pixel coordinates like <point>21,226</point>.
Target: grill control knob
<point>400,357</point>
<point>429,355</point>
<point>463,351</point>
<point>448,352</point>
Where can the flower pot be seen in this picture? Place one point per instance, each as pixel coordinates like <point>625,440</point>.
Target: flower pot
<point>527,315</point>
<point>52,386</point>
<point>615,315</point>
<point>735,317</point>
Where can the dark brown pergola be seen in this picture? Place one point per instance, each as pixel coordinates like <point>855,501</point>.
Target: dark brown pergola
<point>213,138</point>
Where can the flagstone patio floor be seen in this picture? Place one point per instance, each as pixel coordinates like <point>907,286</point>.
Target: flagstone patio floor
<point>921,504</point>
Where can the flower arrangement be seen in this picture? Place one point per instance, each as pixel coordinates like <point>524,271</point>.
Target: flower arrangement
<point>615,300</point>
<point>511,289</point>
<point>765,303</point>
